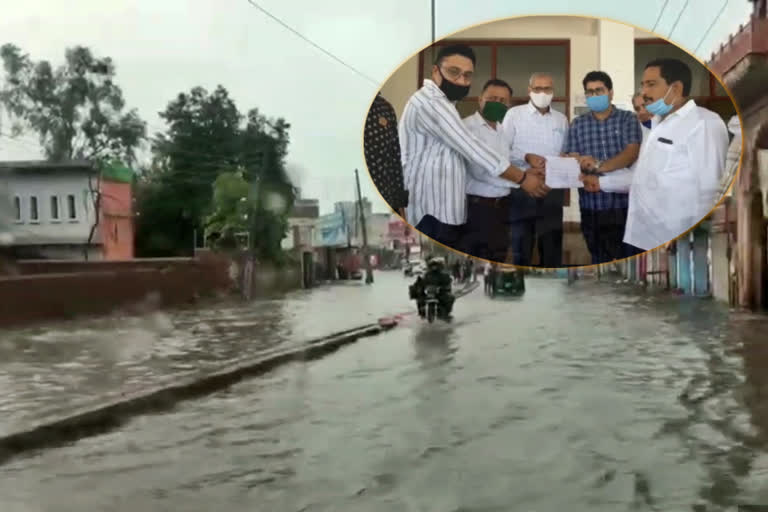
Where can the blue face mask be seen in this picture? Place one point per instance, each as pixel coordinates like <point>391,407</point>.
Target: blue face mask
<point>658,107</point>
<point>598,103</point>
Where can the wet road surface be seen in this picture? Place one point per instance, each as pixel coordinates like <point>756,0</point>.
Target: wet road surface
<point>53,368</point>
<point>581,398</point>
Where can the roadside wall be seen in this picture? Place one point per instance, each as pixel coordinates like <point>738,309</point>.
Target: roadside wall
<point>46,290</point>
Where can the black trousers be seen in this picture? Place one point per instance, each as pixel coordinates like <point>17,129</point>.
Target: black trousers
<point>485,234</point>
<point>536,222</point>
<point>446,234</point>
<point>603,231</point>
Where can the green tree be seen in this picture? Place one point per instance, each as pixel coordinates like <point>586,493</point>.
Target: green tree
<point>207,138</point>
<point>77,110</point>
<point>232,203</point>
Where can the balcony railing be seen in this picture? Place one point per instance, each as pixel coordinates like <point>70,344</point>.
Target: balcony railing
<point>751,38</point>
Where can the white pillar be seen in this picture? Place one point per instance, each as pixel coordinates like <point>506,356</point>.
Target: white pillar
<point>400,86</point>
<point>616,47</point>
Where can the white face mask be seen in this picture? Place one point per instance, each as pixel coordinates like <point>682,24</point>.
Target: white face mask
<point>541,99</point>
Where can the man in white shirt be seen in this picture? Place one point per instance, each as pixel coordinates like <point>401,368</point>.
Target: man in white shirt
<point>486,235</point>
<point>677,179</point>
<point>536,131</point>
<point>436,147</point>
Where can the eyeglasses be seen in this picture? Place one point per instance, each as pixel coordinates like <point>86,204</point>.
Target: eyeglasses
<point>548,90</point>
<point>596,92</point>
<point>456,73</point>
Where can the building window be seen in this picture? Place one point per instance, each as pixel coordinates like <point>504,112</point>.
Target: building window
<point>17,208</point>
<point>34,214</point>
<point>55,208</point>
<point>71,207</point>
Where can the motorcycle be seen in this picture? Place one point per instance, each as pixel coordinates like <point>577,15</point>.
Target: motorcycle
<point>431,303</point>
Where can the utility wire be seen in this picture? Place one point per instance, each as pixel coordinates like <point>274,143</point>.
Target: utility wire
<point>685,6</point>
<point>722,9</point>
<point>301,36</point>
<point>661,13</point>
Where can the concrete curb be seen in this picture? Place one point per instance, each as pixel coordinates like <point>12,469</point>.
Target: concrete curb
<point>118,409</point>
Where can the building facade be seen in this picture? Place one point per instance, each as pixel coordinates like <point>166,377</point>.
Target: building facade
<point>70,210</point>
<point>742,61</point>
<point>116,221</point>
<point>338,240</point>
<point>300,237</point>
<point>52,209</point>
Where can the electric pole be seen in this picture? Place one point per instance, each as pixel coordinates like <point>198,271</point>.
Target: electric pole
<point>368,269</point>
<point>433,31</point>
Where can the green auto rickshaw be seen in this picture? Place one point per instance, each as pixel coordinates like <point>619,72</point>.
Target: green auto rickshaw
<point>506,281</point>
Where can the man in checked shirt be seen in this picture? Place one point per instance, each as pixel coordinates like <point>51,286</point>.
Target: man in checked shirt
<point>382,154</point>
<point>605,139</point>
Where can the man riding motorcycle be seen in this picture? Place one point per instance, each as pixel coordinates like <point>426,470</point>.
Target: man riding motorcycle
<point>438,277</point>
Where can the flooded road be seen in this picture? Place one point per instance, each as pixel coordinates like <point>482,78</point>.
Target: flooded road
<point>53,368</point>
<point>580,398</point>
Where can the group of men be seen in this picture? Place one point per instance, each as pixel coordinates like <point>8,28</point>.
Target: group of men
<point>478,184</point>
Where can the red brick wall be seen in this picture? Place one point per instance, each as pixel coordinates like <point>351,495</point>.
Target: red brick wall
<point>60,290</point>
<point>27,267</point>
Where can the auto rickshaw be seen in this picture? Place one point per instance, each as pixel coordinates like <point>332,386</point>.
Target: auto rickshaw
<point>506,281</point>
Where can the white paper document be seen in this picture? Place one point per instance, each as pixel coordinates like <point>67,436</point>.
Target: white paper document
<point>562,172</point>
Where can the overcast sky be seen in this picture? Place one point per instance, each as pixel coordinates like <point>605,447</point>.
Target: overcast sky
<point>163,47</point>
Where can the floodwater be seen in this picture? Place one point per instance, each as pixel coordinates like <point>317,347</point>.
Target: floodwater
<point>590,397</point>
<point>50,369</point>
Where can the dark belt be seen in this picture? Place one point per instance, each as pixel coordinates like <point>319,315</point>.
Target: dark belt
<point>495,202</point>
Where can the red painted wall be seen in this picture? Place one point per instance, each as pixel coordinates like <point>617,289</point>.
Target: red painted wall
<point>58,292</point>
<point>117,233</point>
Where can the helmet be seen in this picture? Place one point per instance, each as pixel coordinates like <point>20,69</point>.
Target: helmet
<point>436,262</point>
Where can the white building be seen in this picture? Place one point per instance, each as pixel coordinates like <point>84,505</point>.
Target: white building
<point>377,228</point>
<point>50,209</point>
<point>302,223</point>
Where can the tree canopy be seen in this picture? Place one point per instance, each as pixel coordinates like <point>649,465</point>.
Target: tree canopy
<point>76,109</point>
<point>210,153</point>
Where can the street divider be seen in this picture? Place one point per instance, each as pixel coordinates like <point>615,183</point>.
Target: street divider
<point>115,410</point>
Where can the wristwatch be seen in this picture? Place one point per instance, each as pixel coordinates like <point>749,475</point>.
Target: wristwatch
<point>595,171</point>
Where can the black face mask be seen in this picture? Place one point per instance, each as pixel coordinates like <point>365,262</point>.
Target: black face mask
<point>452,91</point>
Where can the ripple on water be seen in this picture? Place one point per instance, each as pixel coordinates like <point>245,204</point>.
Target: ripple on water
<point>637,406</point>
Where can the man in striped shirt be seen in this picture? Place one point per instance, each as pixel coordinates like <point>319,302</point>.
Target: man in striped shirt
<point>436,148</point>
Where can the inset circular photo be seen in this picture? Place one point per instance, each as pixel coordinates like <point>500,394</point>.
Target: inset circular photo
<point>552,141</point>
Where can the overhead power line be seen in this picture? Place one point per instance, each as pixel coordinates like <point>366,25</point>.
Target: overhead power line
<point>661,13</point>
<point>685,6</point>
<point>704,37</point>
<point>306,39</point>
